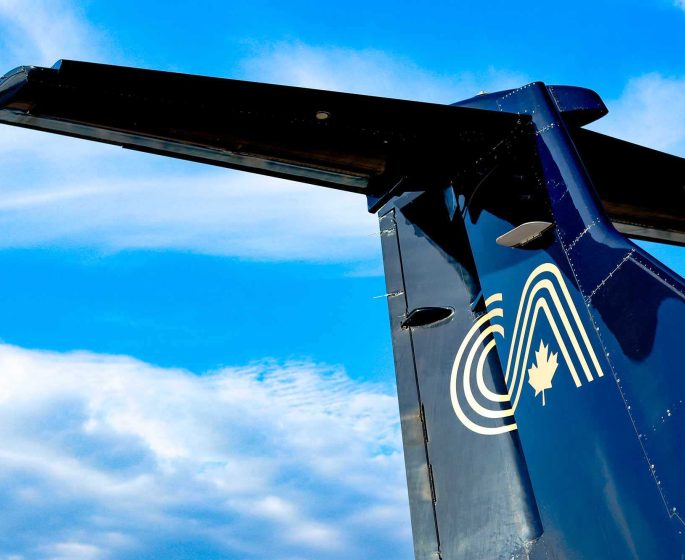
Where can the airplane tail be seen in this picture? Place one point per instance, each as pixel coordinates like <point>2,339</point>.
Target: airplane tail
<point>543,409</point>
<point>539,352</point>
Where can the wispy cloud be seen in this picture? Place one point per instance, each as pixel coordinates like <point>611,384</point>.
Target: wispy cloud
<point>651,112</point>
<point>213,212</point>
<point>370,72</point>
<point>39,32</point>
<point>680,4</point>
<point>109,457</point>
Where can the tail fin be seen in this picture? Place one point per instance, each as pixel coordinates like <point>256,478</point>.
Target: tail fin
<point>550,402</point>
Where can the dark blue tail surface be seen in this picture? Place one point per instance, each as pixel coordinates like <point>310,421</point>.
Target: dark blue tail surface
<point>552,401</point>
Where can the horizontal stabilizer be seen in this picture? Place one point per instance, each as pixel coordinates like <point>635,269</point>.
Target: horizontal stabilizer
<point>642,190</point>
<point>351,142</point>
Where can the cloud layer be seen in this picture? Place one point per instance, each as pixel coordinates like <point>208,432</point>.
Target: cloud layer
<point>108,457</point>
<point>214,212</point>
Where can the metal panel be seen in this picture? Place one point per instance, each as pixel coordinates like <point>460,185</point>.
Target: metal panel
<point>483,501</point>
<point>424,528</point>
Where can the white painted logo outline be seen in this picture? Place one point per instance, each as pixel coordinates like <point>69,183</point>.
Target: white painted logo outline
<point>544,286</point>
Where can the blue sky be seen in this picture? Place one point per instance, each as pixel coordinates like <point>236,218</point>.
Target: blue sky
<point>192,360</point>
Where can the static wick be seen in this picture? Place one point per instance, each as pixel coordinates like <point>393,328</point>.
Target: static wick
<point>389,295</point>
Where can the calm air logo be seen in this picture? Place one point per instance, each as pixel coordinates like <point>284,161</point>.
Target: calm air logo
<point>545,296</point>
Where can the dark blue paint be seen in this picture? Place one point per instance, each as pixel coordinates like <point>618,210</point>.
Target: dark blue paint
<point>604,459</point>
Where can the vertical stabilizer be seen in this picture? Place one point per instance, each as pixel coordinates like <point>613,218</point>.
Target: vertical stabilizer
<point>550,400</point>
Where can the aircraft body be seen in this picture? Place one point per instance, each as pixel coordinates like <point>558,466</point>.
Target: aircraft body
<point>538,350</point>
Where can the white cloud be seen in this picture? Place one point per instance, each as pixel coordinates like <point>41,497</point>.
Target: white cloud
<point>41,32</point>
<point>650,112</point>
<point>109,457</point>
<point>680,4</point>
<point>370,72</point>
<point>72,551</point>
<point>212,212</point>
